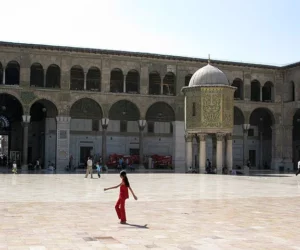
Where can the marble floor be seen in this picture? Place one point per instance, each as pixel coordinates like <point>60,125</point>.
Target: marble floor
<point>174,211</point>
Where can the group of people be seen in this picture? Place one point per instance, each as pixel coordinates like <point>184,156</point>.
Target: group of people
<point>89,168</point>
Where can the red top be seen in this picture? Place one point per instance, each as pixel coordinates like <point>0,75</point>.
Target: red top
<point>124,192</point>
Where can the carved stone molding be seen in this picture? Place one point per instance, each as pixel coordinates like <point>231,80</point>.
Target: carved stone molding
<point>202,136</point>
<point>188,137</point>
<point>229,136</point>
<point>220,136</point>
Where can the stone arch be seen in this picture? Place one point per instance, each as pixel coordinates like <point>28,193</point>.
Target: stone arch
<point>268,92</point>
<point>12,73</point>
<point>76,78</point>
<point>160,111</point>
<point>239,117</point>
<point>86,108</point>
<point>154,83</point>
<point>238,94</point>
<point>53,76</point>
<point>11,107</point>
<point>116,81</point>
<point>187,79</point>
<point>261,113</point>
<point>36,75</point>
<point>93,79</point>
<point>169,84</point>
<point>255,91</point>
<point>133,82</point>
<point>43,108</point>
<point>124,110</point>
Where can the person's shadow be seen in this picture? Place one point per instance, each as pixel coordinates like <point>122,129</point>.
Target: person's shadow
<point>138,226</point>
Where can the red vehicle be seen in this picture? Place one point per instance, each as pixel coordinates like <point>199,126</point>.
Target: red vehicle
<point>162,161</point>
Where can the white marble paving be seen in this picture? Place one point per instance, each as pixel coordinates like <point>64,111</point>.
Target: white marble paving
<point>174,211</point>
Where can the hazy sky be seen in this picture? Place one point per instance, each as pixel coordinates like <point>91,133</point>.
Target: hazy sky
<point>257,31</point>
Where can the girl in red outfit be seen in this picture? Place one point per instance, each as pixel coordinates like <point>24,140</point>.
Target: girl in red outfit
<point>120,205</point>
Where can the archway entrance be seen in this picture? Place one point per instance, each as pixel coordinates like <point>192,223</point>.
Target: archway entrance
<point>85,139</point>
<point>42,138</point>
<point>239,148</point>
<point>11,112</point>
<point>260,154</point>
<point>296,138</point>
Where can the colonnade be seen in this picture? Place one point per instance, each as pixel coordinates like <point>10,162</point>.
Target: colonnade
<point>218,143</point>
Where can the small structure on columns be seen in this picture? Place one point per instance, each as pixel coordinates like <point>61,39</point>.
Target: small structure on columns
<point>209,111</point>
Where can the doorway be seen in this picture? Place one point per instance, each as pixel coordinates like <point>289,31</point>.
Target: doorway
<point>85,152</point>
<point>252,157</point>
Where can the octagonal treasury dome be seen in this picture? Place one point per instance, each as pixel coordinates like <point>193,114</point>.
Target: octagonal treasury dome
<point>208,75</point>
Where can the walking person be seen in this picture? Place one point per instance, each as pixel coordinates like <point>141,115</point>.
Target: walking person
<point>120,205</point>
<point>298,172</point>
<point>99,167</point>
<point>89,167</point>
<point>14,168</point>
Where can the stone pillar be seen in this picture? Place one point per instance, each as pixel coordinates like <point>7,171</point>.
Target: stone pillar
<point>219,159</point>
<point>142,124</point>
<point>144,79</point>
<point>247,86</point>
<point>25,123</point>
<point>3,80</point>
<point>229,152</point>
<point>178,155</point>
<point>202,152</point>
<point>246,127</point>
<point>162,86</point>
<point>260,92</point>
<point>288,146</point>
<point>124,84</point>
<point>62,141</point>
<point>188,151</point>
<point>84,81</point>
<point>276,147</point>
<point>104,124</point>
<point>261,149</point>
<point>45,78</point>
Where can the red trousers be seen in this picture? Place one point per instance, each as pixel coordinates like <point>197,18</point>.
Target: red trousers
<point>120,209</point>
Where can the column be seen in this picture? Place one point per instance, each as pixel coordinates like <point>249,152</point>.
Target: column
<point>178,146</point>
<point>141,124</point>
<point>288,147</point>
<point>124,84</point>
<point>25,123</point>
<point>219,159</point>
<point>3,80</point>
<point>229,152</point>
<point>62,141</point>
<point>104,124</point>
<point>261,149</point>
<point>202,152</point>
<point>45,78</point>
<point>188,151</point>
<point>260,92</point>
<point>246,127</point>
<point>162,86</point>
<point>84,81</point>
<point>277,146</point>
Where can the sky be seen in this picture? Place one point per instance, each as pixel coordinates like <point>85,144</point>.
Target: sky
<point>256,31</point>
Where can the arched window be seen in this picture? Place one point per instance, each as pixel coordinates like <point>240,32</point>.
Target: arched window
<point>93,81</point>
<point>132,82</point>
<point>77,78</point>
<point>255,91</point>
<point>36,75</point>
<point>12,73</point>
<point>116,81</point>
<point>53,76</point>
<point>169,84</point>
<point>154,83</point>
<point>187,80</point>
<point>238,94</point>
<point>267,92</point>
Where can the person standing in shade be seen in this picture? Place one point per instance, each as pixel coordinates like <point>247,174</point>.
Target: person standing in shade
<point>298,172</point>
<point>89,167</point>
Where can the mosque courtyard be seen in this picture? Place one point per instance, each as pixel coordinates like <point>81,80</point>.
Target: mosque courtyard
<point>173,211</point>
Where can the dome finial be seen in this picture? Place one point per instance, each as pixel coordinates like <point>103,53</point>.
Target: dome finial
<point>208,59</point>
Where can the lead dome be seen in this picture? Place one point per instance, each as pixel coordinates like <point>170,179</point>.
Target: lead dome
<point>208,75</point>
